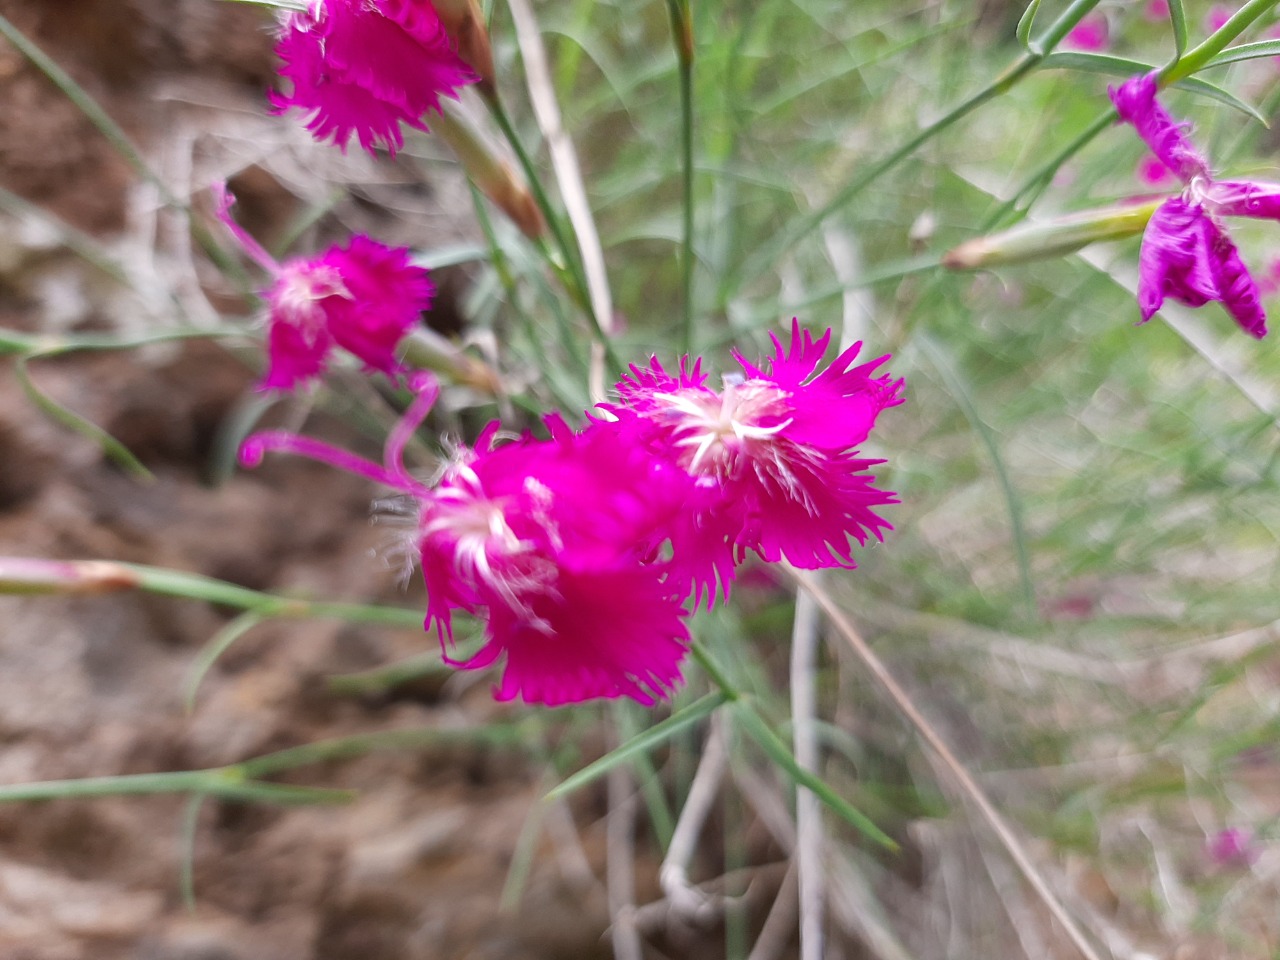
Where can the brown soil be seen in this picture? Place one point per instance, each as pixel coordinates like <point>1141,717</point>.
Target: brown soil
<point>92,686</point>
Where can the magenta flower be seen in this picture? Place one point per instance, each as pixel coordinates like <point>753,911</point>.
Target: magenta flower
<point>770,458</point>
<point>1186,254</point>
<point>1090,34</point>
<point>363,297</point>
<point>1156,10</point>
<point>364,67</point>
<point>1217,17</point>
<point>549,539</point>
<point>1233,847</point>
<point>549,542</point>
<point>1152,173</point>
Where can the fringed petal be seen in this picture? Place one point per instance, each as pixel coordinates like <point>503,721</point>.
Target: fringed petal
<point>1135,101</point>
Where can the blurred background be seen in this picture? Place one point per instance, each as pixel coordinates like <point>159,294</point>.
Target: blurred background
<point>1080,592</point>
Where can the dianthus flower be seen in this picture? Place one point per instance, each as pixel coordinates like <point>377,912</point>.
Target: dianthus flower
<point>363,297</point>
<point>1186,254</point>
<point>1090,34</point>
<point>548,540</point>
<point>363,67</point>
<point>770,457</point>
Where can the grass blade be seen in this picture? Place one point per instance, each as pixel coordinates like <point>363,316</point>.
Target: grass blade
<point>641,743</point>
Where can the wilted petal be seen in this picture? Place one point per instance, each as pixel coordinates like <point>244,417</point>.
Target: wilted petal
<point>1174,260</point>
<point>1237,289</point>
<point>1187,256</point>
<point>1245,198</point>
<point>1135,101</point>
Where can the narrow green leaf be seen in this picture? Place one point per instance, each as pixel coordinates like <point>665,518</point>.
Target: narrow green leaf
<point>218,644</point>
<point>116,451</point>
<point>1104,63</point>
<point>1025,23</point>
<point>641,743</point>
<point>187,845</point>
<point>769,741</point>
<point>1246,51</point>
<point>1178,18</point>
<point>1013,503</point>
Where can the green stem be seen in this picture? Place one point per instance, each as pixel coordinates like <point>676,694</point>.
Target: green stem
<point>229,783</point>
<point>116,136</point>
<point>193,586</point>
<point>1195,58</point>
<point>682,34</point>
<point>567,250</point>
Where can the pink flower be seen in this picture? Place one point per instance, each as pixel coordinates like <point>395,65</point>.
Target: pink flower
<point>1233,847</point>
<point>1090,34</point>
<point>769,457</point>
<point>1152,173</point>
<point>1186,254</point>
<point>1217,17</point>
<point>1156,10</point>
<point>363,297</point>
<point>549,542</point>
<point>364,67</point>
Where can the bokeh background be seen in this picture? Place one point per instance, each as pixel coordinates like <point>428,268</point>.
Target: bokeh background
<point>1080,592</point>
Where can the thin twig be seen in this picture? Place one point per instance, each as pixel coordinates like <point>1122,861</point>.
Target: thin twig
<point>621,856</point>
<point>564,161</point>
<point>686,899</point>
<point>809,841</point>
<point>968,785</point>
<point>775,935</point>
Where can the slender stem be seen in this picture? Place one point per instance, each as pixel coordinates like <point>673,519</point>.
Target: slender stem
<point>567,250</point>
<point>682,34</point>
<point>573,192</point>
<point>115,135</point>
<point>193,586</point>
<point>809,839</point>
<point>902,701</point>
<point>1198,56</point>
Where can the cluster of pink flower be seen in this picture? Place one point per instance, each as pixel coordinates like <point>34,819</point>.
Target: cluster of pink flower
<point>581,550</point>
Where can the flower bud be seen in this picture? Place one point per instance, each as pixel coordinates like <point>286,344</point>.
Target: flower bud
<point>35,575</point>
<point>1051,238</point>
<point>493,176</point>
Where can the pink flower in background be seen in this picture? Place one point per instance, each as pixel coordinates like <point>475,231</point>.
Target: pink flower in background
<point>363,297</point>
<point>363,67</point>
<point>1233,847</point>
<point>1089,35</point>
<point>1156,10</point>
<point>1269,285</point>
<point>1217,16</point>
<point>771,456</point>
<point>1152,173</point>
<point>1186,254</point>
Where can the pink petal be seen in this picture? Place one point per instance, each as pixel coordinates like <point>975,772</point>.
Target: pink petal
<point>363,68</point>
<point>808,514</point>
<point>1187,256</point>
<point>1245,198</point>
<point>386,296</point>
<point>604,633</point>
<point>1135,101</point>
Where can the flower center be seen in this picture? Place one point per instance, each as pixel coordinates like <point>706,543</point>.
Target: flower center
<point>487,553</point>
<point>298,291</point>
<point>714,429</point>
